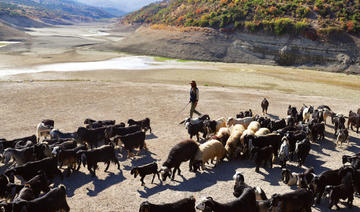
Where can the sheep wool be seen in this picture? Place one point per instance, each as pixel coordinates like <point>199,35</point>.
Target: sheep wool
<point>246,132</point>
<point>244,121</point>
<point>233,142</point>
<point>254,126</point>
<point>262,131</point>
<point>224,132</point>
<point>210,150</point>
<point>237,127</point>
<point>220,123</point>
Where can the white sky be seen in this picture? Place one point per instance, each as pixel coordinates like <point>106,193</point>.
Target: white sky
<point>123,5</point>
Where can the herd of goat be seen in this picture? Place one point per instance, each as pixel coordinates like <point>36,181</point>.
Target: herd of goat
<point>247,136</point>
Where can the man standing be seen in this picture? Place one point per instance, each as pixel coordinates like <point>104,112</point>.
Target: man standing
<point>194,98</point>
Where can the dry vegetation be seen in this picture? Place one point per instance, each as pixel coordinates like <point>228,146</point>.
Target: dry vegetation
<point>308,18</point>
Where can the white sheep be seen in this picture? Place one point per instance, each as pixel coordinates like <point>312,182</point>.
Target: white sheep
<point>244,121</point>
<point>254,126</point>
<point>237,127</point>
<point>221,122</point>
<point>246,132</point>
<point>262,131</point>
<point>326,113</point>
<point>233,143</point>
<point>223,134</point>
<point>209,151</point>
<point>42,130</point>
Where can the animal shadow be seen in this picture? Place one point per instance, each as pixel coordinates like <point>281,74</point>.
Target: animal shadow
<point>101,185</point>
<point>141,160</point>
<point>273,116</point>
<point>151,136</point>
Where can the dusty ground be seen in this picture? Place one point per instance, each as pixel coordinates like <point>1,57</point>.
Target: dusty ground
<point>69,98</point>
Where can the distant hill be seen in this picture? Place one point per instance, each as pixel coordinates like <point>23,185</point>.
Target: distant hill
<point>9,33</point>
<point>40,13</point>
<point>310,18</point>
<point>114,11</point>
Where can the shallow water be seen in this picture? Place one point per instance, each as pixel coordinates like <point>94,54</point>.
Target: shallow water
<point>121,63</point>
<point>5,43</point>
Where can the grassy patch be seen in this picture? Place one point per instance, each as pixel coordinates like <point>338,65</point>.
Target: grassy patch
<point>3,44</point>
<point>163,59</point>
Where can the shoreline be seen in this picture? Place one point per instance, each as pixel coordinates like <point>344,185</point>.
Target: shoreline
<point>238,47</point>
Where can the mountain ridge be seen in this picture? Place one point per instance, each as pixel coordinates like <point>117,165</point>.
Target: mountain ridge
<point>42,13</point>
<point>308,18</point>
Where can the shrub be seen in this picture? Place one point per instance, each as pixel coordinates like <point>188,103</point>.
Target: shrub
<point>327,31</point>
<point>224,20</point>
<point>213,22</point>
<point>301,26</point>
<point>204,21</point>
<point>268,26</point>
<point>302,12</point>
<point>283,25</point>
<point>238,25</point>
<point>250,26</point>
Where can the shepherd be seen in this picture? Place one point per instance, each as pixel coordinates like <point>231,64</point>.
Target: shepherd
<point>194,98</point>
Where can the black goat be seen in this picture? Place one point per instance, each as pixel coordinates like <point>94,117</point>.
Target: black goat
<point>246,202</point>
<point>262,155</point>
<point>115,130</point>
<point>293,137</point>
<point>277,125</point>
<point>354,120</point>
<point>132,141</point>
<point>317,131</point>
<point>300,200</point>
<point>338,121</point>
<point>184,205</point>
<point>262,141</point>
<point>342,191</point>
<point>11,143</point>
<point>104,154</point>
<point>69,157</point>
<point>353,160</point>
<point>30,169</point>
<point>194,129</point>
<point>54,200</point>
<point>144,124</point>
<point>92,136</point>
<point>151,168</point>
<point>26,193</point>
<point>181,152</point>
<point>330,177</point>
<point>302,150</point>
<point>56,134</point>
<point>93,124</point>
<point>240,186</point>
<point>244,114</point>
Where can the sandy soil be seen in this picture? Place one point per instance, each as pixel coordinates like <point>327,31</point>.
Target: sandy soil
<point>69,98</point>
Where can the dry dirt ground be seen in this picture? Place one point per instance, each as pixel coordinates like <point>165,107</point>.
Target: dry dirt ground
<point>23,105</point>
<point>226,89</point>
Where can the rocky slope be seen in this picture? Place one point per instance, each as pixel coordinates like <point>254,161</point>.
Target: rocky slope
<point>11,34</point>
<point>321,34</point>
<point>40,13</point>
<point>211,45</point>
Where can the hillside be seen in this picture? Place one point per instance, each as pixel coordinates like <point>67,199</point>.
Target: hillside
<point>11,34</point>
<point>39,13</point>
<point>310,18</point>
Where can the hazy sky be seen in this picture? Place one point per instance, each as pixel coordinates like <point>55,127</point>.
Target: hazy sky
<point>123,5</point>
